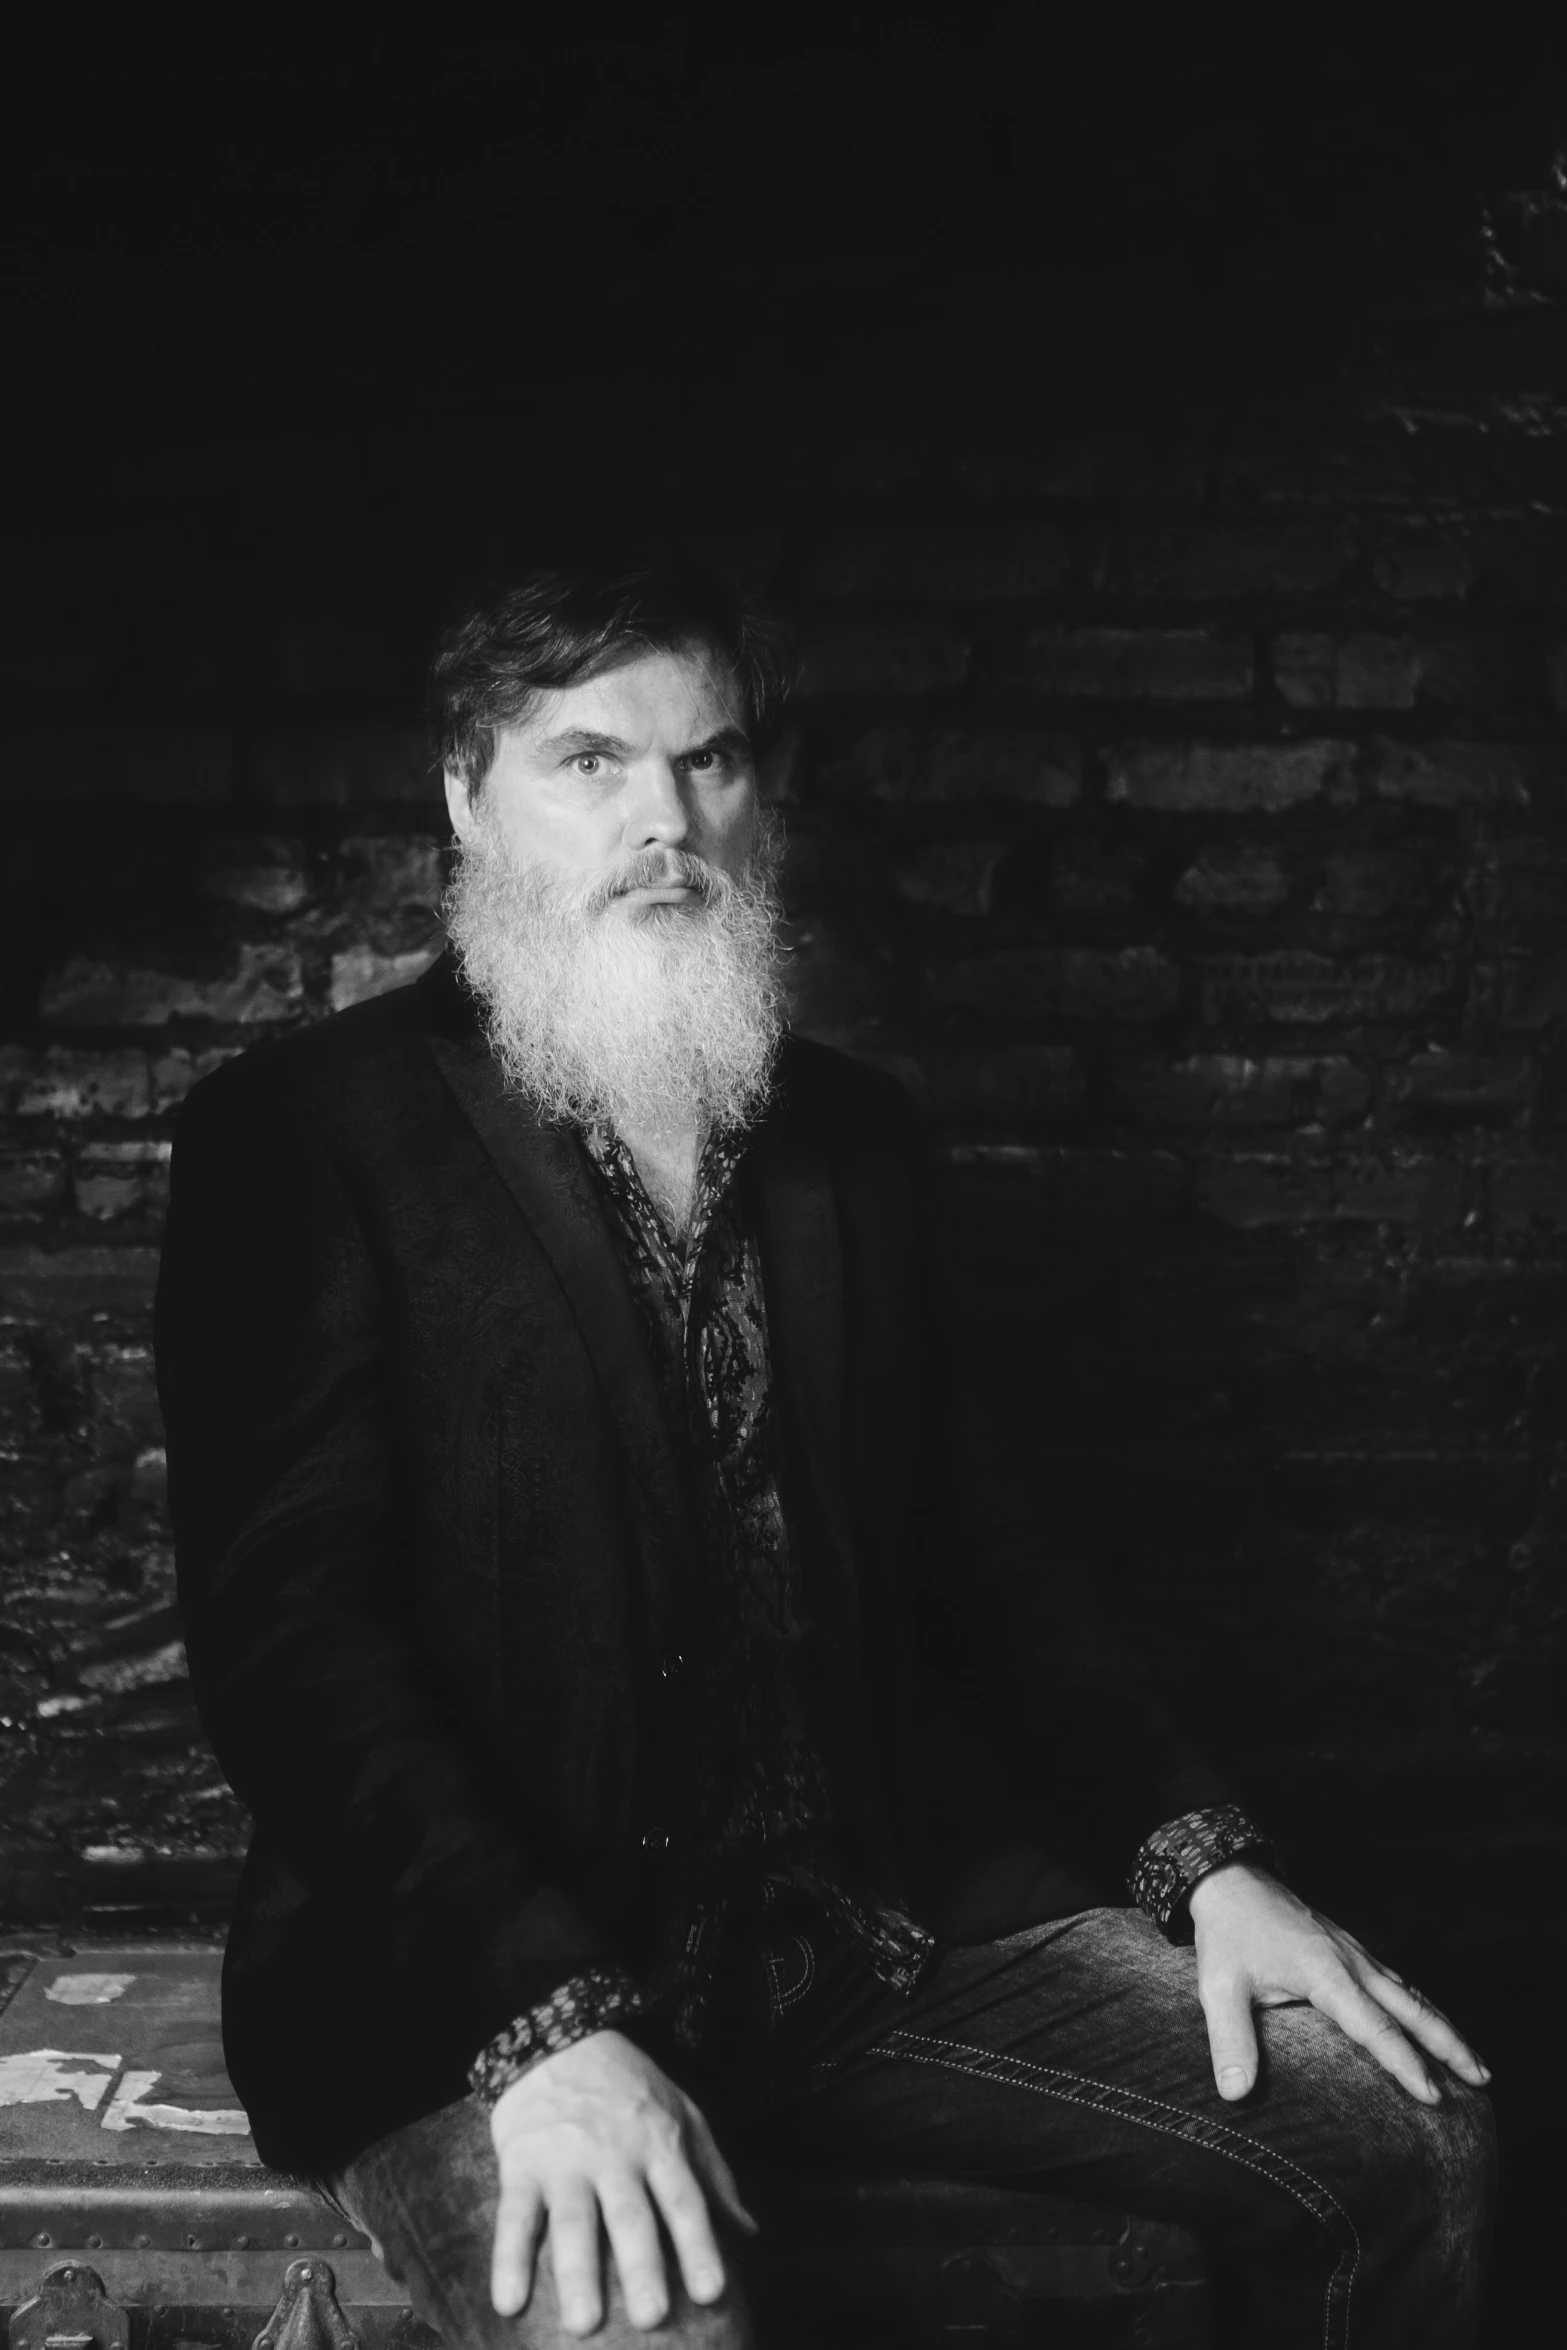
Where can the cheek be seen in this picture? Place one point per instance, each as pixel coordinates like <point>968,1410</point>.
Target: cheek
<point>564,829</point>
<point>731,826</point>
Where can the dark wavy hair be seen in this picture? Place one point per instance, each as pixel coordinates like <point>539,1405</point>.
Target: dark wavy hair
<point>556,628</point>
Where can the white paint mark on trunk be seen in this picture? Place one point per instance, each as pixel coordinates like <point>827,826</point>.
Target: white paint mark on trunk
<point>88,1990</point>
<point>37,2076</point>
<point>129,2106</point>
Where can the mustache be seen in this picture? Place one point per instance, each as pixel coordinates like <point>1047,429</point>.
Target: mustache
<point>652,869</point>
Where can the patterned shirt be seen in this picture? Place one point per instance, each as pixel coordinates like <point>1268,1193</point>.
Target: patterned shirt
<point>761,1816</point>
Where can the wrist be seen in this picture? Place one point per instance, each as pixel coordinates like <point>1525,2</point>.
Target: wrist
<point>578,2009</point>
<point>1180,1854</point>
<point>1211,1890</point>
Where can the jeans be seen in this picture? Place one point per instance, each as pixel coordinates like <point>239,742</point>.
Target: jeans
<point>1337,2211</point>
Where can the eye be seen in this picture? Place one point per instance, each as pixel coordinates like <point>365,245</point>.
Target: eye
<point>587,763</point>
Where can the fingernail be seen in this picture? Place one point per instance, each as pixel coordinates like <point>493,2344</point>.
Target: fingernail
<point>1233,2081</point>
<point>1483,2070</point>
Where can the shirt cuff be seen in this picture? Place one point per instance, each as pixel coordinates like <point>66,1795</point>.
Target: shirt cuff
<point>598,2000</point>
<point>1175,1859</point>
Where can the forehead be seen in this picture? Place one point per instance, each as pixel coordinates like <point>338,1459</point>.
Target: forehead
<point>652,698</point>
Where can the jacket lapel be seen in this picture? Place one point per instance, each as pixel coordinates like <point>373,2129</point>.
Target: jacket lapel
<point>547,1176</point>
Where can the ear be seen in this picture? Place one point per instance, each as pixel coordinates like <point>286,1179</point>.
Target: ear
<point>459,805</point>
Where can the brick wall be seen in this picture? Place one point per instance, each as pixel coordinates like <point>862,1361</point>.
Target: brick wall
<point>1177,806</point>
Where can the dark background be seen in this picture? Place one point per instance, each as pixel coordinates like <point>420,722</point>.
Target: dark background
<point>1163,451</point>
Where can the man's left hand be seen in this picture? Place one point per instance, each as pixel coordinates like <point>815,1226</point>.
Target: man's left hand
<point>1257,1946</point>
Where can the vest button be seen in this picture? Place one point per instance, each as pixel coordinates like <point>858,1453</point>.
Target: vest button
<point>655,1839</point>
<point>673,1665</point>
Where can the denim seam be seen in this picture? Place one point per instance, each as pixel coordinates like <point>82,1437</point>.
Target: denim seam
<point>783,2000</point>
<point>921,2048</point>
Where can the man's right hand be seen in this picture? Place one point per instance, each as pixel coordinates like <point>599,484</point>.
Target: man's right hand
<point>594,2132</point>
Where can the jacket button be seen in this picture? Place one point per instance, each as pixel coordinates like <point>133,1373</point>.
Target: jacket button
<point>655,1839</point>
<point>674,1664</point>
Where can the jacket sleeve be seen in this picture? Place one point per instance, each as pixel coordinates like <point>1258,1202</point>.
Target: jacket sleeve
<point>305,1658</point>
<point>1094,1752</point>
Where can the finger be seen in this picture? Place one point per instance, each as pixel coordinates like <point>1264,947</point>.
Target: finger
<point>574,2256</point>
<point>635,2248</point>
<point>1369,2023</point>
<point>690,2225</point>
<point>1232,2035</point>
<point>1425,2023</point>
<point>511,2259</point>
<point>714,2172</point>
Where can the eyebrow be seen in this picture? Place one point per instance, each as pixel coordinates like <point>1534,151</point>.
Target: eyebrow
<point>577,742</point>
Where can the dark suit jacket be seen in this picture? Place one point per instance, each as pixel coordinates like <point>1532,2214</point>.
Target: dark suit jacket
<point>435,1556</point>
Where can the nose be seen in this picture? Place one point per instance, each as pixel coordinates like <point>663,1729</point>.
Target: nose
<point>656,813</point>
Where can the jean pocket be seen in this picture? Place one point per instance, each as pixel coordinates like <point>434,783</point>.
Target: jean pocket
<point>790,1960</point>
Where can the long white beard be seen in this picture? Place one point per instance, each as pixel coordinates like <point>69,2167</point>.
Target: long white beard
<point>667,1024</point>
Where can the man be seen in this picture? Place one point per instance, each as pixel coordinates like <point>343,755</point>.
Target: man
<point>553,1368</point>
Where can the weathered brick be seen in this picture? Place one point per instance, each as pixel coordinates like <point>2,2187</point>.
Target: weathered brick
<point>1360,672</point>
<point>1312,990</point>
<point>1262,464</point>
<point>1530,991</point>
<point>1442,1088</point>
<point>841,984</point>
<point>1363,884</point>
<point>30,1180</point>
<point>956,875</point>
<point>1529,1192</point>
<point>175,1072</point>
<point>1253,1189</point>
<point>62,1083</point>
<point>1168,464</point>
<point>118,1178</point>
<point>1455,459</point>
<point>1233,1089</point>
<point>263,983</point>
<point>50,1285</point>
<point>1400,1187</point>
<point>963,566</point>
<point>1519,882</point>
<point>1460,775</point>
<point>387,872</point>
<point>1240,778</point>
<point>123,1393</point>
<point>1091,877</point>
<point>359,973</point>
<point>1423,570</point>
<point>267,876</point>
<point>183,764</point>
<point>1130,664</point>
<point>1486,670</point>
<point>1215,562</point>
<point>883,660</point>
<point>1371,465</point>
<point>903,763</point>
<point>1009,1083</point>
<point>342,766</point>
<point>1241,877</point>
<point>1071,983</point>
